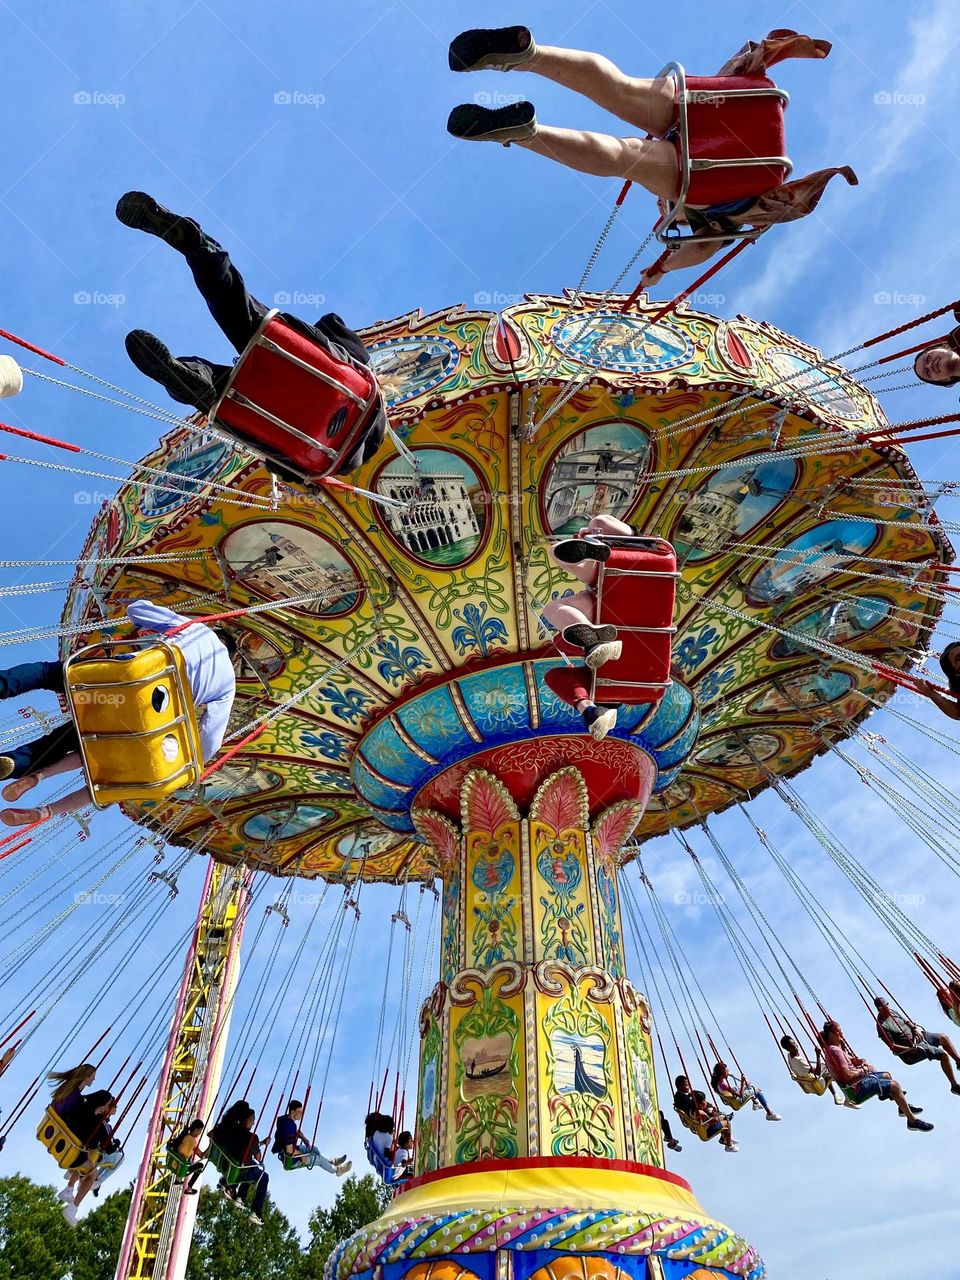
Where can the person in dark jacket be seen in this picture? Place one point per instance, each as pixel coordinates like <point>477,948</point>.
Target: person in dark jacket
<point>234,1136</point>
<point>198,382</point>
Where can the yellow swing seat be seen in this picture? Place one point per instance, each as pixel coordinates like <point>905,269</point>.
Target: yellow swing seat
<point>809,1084</point>
<point>61,1142</point>
<point>699,1127</point>
<point>733,1101</point>
<point>136,721</point>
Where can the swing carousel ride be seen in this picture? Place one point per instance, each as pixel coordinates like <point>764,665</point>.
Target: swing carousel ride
<point>393,724</point>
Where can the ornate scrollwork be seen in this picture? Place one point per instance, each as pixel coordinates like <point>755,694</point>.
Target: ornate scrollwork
<point>553,976</point>
<point>507,979</point>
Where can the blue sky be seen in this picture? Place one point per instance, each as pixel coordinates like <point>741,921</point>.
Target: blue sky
<point>352,196</point>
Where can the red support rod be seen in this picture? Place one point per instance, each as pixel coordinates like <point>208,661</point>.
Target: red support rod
<point>931,315</point>
<point>909,351</point>
<point>228,755</point>
<point>33,435</point>
<point>712,271</point>
<point>28,346</point>
<point>22,845</point>
<point>21,831</point>
<point>894,428</point>
<point>930,435</point>
<point>21,1024</point>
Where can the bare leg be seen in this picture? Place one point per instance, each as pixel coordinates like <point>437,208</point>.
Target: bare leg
<point>20,786</point>
<point>650,163</point>
<point>585,570</point>
<point>948,1047</point>
<point>68,764</point>
<point>646,104</point>
<point>85,1184</point>
<point>56,809</point>
<point>897,1094</point>
<point>571,611</point>
<point>947,1066</point>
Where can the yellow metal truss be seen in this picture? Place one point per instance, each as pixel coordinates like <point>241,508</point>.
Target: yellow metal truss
<point>160,1225</point>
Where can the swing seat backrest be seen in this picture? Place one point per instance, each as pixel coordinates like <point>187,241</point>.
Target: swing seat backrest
<point>737,137</point>
<point>228,1168</point>
<point>176,1164</point>
<point>699,1127</point>
<point>297,401</point>
<point>388,1173</point>
<point>636,589</point>
<point>65,1147</point>
<point>733,1101</point>
<point>809,1085</point>
<point>136,721</point>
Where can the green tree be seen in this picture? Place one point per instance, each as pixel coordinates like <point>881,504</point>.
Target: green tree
<point>227,1247</point>
<point>359,1201</point>
<point>35,1241</point>
<point>99,1236</point>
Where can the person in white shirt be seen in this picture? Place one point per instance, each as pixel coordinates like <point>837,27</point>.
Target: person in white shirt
<point>208,660</point>
<point>811,1073</point>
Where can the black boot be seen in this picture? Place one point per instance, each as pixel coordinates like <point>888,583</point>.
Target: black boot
<point>599,644</point>
<point>494,48</point>
<point>576,550</point>
<point>138,210</point>
<point>516,122</point>
<point>185,382</point>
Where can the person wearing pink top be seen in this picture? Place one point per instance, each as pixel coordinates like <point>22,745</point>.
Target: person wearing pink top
<point>860,1081</point>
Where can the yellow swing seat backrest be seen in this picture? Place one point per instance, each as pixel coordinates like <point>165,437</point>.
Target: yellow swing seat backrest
<point>733,1101</point>
<point>699,1127</point>
<point>136,722</point>
<point>809,1084</point>
<point>62,1144</point>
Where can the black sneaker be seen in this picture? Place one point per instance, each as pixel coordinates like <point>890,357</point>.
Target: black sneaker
<point>576,550</point>
<point>180,379</point>
<point>516,122</point>
<point>599,644</point>
<point>600,720</point>
<point>141,212</point>
<point>493,48</point>
<point>924,1126</point>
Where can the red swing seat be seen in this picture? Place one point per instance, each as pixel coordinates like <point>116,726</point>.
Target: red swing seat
<point>636,590</point>
<point>295,401</point>
<point>729,138</point>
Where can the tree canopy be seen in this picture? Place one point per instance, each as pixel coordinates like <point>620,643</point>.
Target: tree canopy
<point>37,1244</point>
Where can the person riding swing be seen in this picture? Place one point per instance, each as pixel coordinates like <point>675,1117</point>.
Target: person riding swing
<point>303,395</point>
<point>711,151</point>
<point>614,561</point>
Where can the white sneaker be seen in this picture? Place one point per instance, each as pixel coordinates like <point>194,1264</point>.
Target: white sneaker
<point>343,1169</point>
<point>70,1213</point>
<point>839,1102</point>
<point>772,1115</point>
<point>66,1196</point>
<point>756,1104</point>
<point>854,1106</point>
<point>732,1149</point>
<point>255,1219</point>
